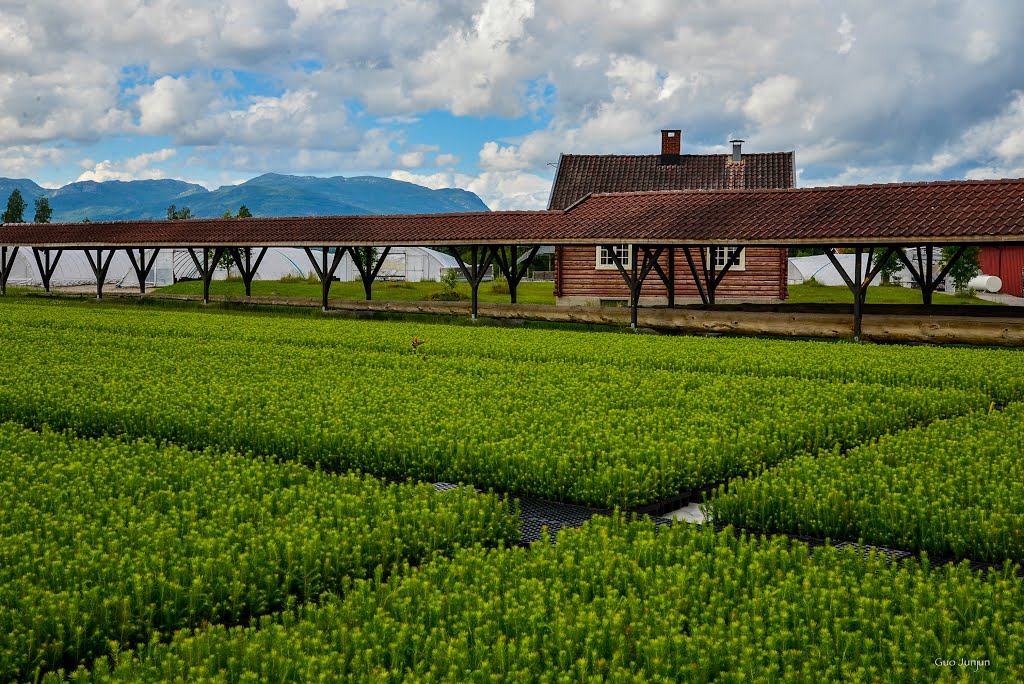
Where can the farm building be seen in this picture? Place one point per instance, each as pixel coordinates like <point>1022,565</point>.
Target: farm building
<point>1007,263</point>
<point>587,275</point>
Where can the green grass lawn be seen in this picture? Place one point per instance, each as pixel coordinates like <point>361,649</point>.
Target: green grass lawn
<point>528,293</point>
<point>830,294</point>
<point>531,293</point>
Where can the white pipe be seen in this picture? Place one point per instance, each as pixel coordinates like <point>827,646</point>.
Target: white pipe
<point>986,283</point>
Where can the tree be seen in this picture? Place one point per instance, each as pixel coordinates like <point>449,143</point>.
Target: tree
<point>963,270</point>
<point>890,267</point>
<point>175,214</point>
<point>43,211</point>
<point>15,209</point>
<point>226,260</point>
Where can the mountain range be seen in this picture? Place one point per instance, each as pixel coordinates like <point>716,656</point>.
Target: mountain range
<point>268,195</point>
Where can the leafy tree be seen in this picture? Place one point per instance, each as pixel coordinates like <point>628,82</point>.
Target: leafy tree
<point>226,261</point>
<point>966,268</point>
<point>15,209</point>
<point>43,211</point>
<point>890,267</point>
<point>175,214</point>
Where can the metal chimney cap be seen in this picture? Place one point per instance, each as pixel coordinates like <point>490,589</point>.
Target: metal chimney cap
<point>737,140</point>
<point>737,150</point>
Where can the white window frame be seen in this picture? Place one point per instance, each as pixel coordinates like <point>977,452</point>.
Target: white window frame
<point>722,253</point>
<point>604,262</point>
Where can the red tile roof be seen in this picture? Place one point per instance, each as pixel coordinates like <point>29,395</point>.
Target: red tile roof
<point>582,174</point>
<point>944,211</point>
<point>311,231</point>
<point>947,211</point>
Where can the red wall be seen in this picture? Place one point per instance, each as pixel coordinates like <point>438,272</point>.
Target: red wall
<point>1008,264</point>
<point>765,277</point>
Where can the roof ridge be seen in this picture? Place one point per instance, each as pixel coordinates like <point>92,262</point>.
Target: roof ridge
<point>268,219</point>
<point>817,188</point>
<point>705,154</point>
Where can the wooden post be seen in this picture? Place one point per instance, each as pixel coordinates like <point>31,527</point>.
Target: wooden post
<point>671,277</point>
<point>367,267</point>
<point>6,267</point>
<point>325,273</point>
<point>929,285</point>
<point>142,267</point>
<point>481,257</point>
<point>46,272</point>
<point>99,268</point>
<point>243,259</point>
<point>206,267</point>
<point>858,297</point>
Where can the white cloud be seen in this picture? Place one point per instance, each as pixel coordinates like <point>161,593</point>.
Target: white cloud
<point>171,104</point>
<point>886,86</point>
<point>846,35</point>
<point>442,160</point>
<point>499,190</point>
<point>981,47</point>
<point>773,100</point>
<point>22,161</point>
<point>139,167</point>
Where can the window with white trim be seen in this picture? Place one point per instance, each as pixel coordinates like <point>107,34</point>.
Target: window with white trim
<point>721,256</point>
<point>605,260</point>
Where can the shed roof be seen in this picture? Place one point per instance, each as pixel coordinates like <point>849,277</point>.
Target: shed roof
<point>901,213</point>
<point>582,174</point>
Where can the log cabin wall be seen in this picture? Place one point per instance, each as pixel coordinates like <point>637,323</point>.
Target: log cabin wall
<point>580,282</point>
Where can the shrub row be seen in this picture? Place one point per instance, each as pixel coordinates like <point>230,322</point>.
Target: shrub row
<point>621,602</point>
<point>955,488</point>
<point>610,434</point>
<point>109,541</point>
<point>891,365</point>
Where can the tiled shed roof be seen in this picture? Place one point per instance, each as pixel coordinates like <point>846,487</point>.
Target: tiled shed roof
<point>908,213</point>
<point>582,174</point>
<point>943,211</point>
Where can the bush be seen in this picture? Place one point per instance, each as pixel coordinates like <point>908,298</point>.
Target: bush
<point>499,285</point>
<point>447,296</point>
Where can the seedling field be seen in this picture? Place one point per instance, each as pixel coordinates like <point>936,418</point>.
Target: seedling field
<point>195,497</point>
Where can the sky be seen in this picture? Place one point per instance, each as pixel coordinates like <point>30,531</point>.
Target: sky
<point>485,94</point>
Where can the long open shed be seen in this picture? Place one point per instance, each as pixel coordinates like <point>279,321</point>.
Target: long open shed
<point>864,219</point>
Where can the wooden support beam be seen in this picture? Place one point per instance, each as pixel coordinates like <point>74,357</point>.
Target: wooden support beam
<point>508,264</point>
<point>712,279</point>
<point>671,283</point>
<point>368,266</point>
<point>949,265</point>
<point>637,273</point>
<point>929,283</point>
<point>206,267</point>
<point>857,283</point>
<point>99,267</point>
<point>46,270</point>
<point>697,278</point>
<point>858,297</point>
<point>6,267</point>
<point>325,270</point>
<point>481,258</point>
<point>667,279</point>
<point>141,266</point>
<point>922,275</point>
<point>243,259</point>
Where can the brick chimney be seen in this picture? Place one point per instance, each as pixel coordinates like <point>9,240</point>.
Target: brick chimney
<point>670,146</point>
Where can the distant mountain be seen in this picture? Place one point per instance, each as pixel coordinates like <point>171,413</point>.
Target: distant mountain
<point>267,195</point>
